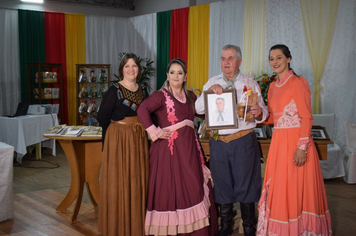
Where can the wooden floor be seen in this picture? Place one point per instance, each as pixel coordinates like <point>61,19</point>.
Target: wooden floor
<point>41,187</point>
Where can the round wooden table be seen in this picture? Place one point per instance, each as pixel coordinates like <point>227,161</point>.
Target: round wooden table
<point>84,156</point>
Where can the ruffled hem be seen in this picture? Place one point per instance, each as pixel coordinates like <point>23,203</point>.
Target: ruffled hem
<point>177,229</point>
<point>182,220</point>
<point>306,224</point>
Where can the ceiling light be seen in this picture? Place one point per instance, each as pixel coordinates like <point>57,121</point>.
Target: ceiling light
<point>33,1</point>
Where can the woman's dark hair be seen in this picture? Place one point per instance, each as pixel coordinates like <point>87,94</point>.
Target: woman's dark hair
<point>285,51</point>
<point>123,62</point>
<point>184,85</point>
<point>177,61</point>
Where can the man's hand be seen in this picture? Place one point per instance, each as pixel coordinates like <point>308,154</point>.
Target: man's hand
<point>216,88</point>
<point>257,111</point>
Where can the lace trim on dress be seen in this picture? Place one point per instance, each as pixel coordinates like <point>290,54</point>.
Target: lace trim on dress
<point>281,82</point>
<point>290,117</point>
<point>303,143</point>
<point>263,212</point>
<point>171,116</point>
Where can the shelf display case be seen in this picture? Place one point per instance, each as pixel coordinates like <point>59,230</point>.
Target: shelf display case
<point>45,83</point>
<point>93,80</point>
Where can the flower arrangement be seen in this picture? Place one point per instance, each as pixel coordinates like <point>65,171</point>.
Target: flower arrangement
<point>264,80</point>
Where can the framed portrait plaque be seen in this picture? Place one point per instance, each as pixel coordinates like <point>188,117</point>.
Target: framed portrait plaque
<point>260,132</point>
<point>220,110</point>
<point>319,132</point>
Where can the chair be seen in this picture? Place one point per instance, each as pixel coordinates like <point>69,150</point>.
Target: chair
<point>333,167</point>
<point>350,154</point>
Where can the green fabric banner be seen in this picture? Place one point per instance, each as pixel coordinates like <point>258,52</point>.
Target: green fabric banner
<point>163,35</point>
<point>32,45</point>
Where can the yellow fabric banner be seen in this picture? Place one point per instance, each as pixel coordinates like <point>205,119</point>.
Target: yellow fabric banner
<point>253,50</point>
<point>75,50</point>
<point>198,46</point>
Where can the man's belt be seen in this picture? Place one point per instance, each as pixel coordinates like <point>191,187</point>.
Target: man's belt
<point>234,136</point>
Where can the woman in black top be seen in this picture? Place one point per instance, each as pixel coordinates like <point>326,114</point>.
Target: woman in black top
<point>125,164</point>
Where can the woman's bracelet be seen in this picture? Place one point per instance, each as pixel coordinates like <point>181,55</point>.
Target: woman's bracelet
<point>303,150</point>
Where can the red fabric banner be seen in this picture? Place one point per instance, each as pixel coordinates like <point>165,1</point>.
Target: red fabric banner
<point>56,51</point>
<point>179,34</point>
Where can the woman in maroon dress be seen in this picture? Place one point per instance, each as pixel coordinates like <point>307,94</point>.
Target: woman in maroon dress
<point>180,199</point>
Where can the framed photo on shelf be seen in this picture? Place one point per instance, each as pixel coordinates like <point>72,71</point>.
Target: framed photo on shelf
<point>319,132</point>
<point>267,129</point>
<point>220,110</point>
<point>260,133</point>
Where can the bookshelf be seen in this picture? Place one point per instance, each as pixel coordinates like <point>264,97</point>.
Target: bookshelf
<point>92,82</point>
<point>45,83</point>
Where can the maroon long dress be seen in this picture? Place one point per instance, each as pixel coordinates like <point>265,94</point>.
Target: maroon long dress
<point>180,199</point>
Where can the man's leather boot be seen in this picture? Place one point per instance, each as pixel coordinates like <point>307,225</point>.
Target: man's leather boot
<point>248,218</point>
<point>226,216</point>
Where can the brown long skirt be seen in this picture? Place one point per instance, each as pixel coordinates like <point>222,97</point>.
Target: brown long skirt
<point>124,179</point>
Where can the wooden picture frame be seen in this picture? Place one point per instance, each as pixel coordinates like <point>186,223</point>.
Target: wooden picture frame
<point>319,133</point>
<point>220,110</point>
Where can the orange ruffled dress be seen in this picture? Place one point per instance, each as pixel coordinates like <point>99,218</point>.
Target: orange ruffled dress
<point>293,200</point>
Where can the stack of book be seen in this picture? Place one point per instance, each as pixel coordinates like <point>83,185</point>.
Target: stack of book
<point>92,131</point>
<point>56,130</point>
<point>74,131</point>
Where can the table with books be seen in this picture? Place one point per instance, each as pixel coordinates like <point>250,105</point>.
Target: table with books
<point>82,146</point>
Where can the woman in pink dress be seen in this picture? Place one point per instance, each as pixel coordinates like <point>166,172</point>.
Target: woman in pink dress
<point>180,199</point>
<point>293,200</point>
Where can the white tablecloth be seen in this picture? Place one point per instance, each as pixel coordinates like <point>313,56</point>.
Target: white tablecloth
<point>6,173</point>
<point>23,131</point>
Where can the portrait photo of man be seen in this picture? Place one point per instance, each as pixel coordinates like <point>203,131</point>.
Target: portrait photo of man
<point>221,114</point>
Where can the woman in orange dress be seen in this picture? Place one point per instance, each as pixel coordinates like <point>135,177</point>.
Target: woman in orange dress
<point>293,200</point>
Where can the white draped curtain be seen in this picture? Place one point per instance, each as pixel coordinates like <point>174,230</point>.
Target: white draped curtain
<point>284,26</point>
<point>10,94</point>
<point>226,27</point>
<point>144,39</point>
<point>339,78</point>
<point>106,37</point>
